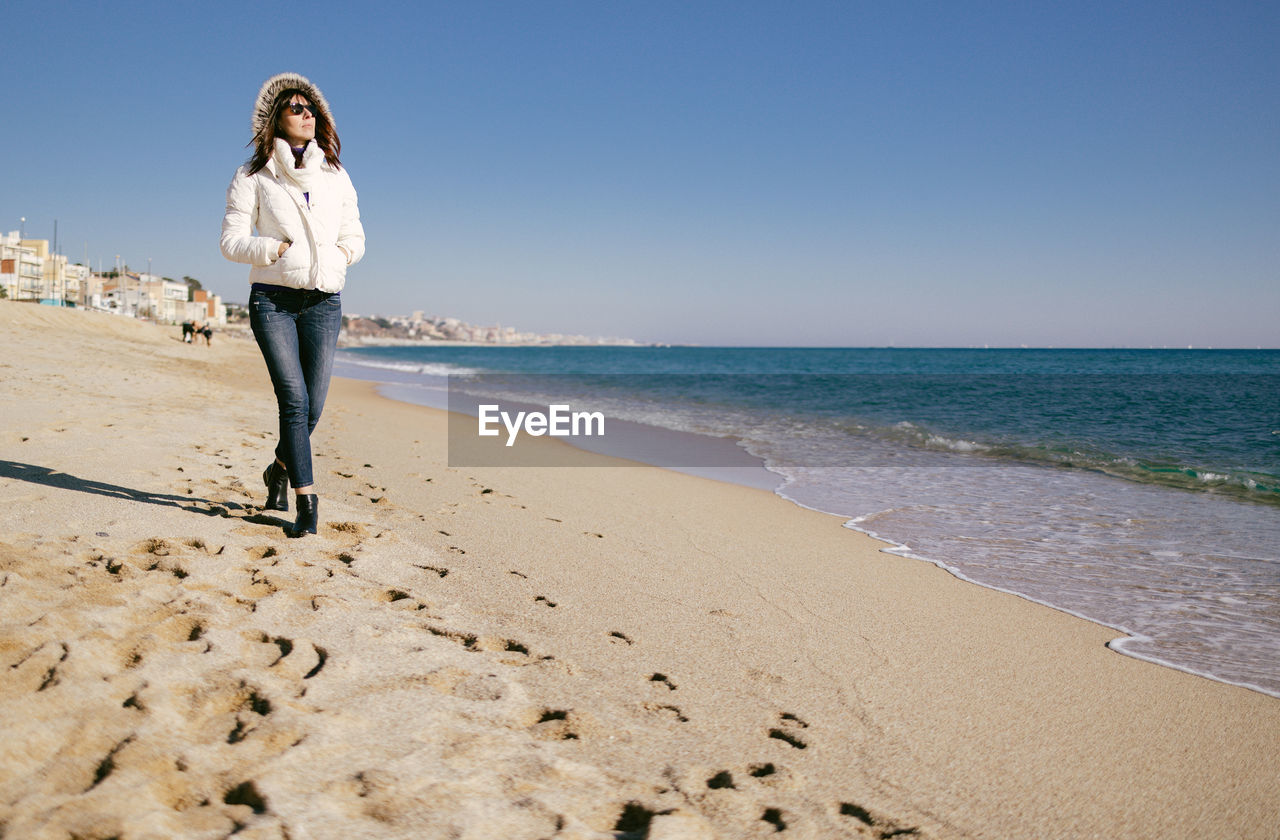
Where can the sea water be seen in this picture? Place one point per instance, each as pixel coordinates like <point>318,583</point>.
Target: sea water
<point>1139,489</point>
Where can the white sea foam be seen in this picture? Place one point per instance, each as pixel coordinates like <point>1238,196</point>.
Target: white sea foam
<point>939,442</point>
<point>419,368</point>
<point>1181,574</point>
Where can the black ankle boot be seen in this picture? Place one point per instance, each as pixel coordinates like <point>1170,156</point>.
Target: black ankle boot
<point>277,480</point>
<point>308,515</point>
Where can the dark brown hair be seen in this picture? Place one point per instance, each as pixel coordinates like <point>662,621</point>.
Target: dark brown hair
<point>265,143</point>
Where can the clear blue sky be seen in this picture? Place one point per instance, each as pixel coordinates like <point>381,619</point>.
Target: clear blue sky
<point>805,173</point>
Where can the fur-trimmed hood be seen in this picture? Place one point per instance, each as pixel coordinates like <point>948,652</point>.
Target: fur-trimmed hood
<point>274,86</point>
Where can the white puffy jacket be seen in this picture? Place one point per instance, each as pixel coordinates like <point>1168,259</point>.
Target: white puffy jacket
<point>271,202</point>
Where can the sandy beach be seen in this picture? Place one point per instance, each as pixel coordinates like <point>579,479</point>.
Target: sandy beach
<point>603,651</point>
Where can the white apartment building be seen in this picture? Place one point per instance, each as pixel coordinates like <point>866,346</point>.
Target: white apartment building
<point>21,267</point>
<point>29,272</point>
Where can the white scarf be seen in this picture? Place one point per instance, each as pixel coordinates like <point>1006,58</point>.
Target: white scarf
<point>312,160</point>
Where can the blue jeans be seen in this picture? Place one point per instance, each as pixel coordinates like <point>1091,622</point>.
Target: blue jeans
<point>297,332</point>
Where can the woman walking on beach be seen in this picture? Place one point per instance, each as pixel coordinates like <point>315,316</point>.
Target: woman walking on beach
<point>292,215</point>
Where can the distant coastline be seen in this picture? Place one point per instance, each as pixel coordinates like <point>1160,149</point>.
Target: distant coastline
<point>418,329</point>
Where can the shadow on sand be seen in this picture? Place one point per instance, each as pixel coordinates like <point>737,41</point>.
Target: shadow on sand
<point>192,504</point>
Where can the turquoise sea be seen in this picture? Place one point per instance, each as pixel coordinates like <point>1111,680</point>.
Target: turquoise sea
<point>1139,489</point>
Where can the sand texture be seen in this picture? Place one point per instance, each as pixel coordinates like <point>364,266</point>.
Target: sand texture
<point>601,651</point>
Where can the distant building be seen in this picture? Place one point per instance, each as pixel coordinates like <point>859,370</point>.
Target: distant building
<point>21,267</point>
<point>75,279</point>
<point>163,300</point>
<point>209,308</point>
<point>157,299</point>
<point>91,296</point>
<point>28,271</point>
<point>122,295</point>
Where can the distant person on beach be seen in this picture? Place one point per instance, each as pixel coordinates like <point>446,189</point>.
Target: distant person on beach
<point>188,330</point>
<point>292,215</point>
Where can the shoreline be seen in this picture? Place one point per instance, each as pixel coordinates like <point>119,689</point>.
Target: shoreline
<point>648,445</point>
<point>1117,644</point>
<point>525,653</point>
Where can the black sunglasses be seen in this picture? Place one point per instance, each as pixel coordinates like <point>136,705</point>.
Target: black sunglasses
<point>296,108</point>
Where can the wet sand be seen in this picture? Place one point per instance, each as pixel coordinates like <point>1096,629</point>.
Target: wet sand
<point>592,652</point>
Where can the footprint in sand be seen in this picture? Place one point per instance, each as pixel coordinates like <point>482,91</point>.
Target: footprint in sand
<point>885,828</point>
<point>511,651</point>
<point>783,733</point>
<point>400,598</point>
<point>246,794</point>
<point>260,586</point>
<point>555,725</point>
<point>666,710</point>
<point>38,670</point>
<point>436,570</point>
<point>253,708</point>
<point>663,680</point>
